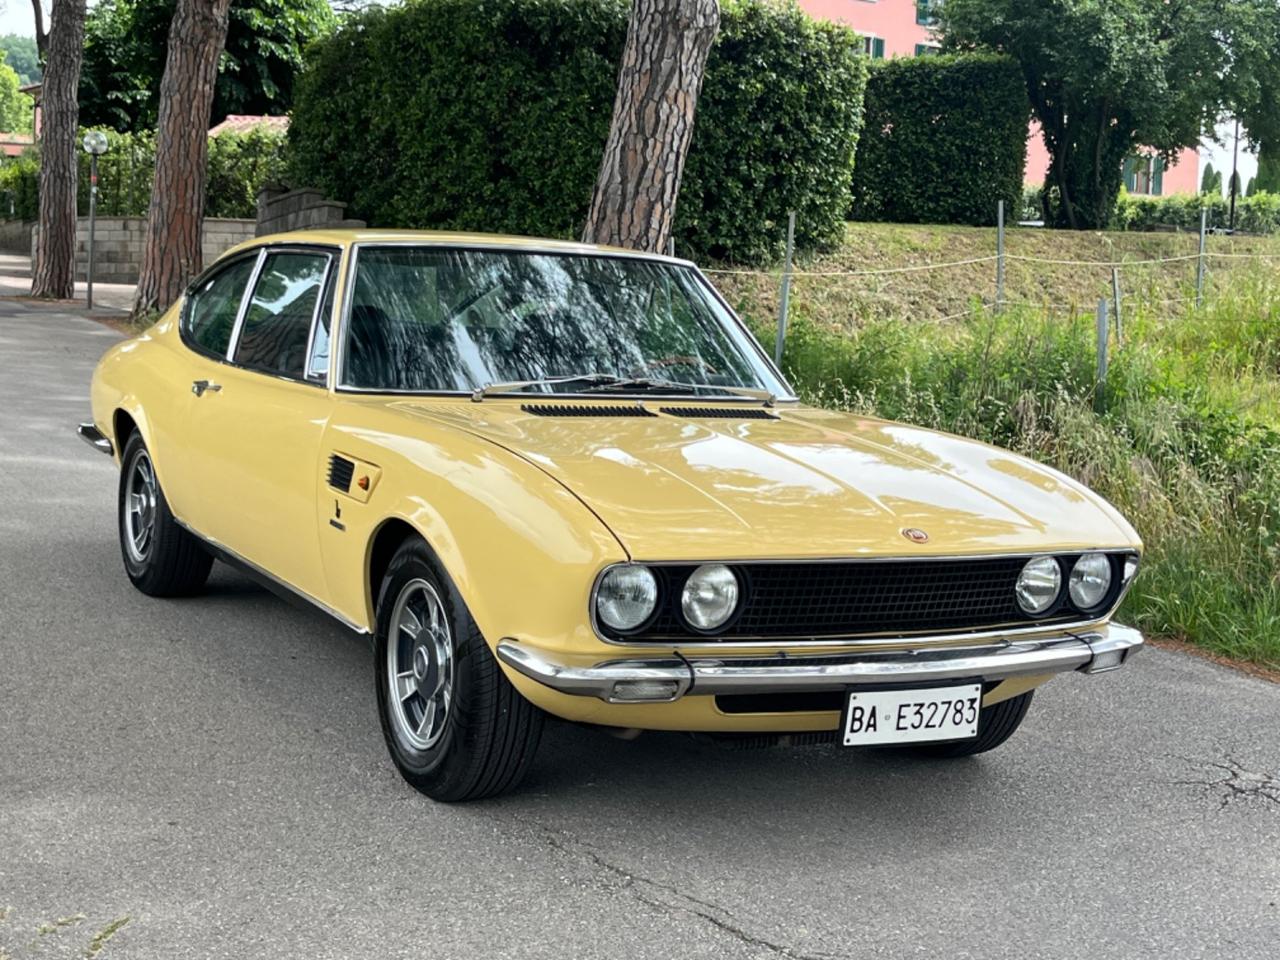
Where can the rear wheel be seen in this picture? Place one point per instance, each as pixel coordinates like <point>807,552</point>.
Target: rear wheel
<point>454,725</point>
<point>161,558</point>
<point>996,724</point>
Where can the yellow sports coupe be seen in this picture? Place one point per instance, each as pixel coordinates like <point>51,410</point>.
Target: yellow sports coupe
<point>551,478</point>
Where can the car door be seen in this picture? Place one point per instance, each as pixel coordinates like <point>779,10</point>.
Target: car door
<point>258,421</point>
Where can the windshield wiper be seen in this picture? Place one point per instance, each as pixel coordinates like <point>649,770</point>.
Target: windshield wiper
<point>623,384</point>
<point>515,386</point>
<point>608,383</point>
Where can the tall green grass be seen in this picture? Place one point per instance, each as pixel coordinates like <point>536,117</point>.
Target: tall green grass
<point>1183,439</point>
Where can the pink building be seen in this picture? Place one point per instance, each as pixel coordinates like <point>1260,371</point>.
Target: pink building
<point>903,28</point>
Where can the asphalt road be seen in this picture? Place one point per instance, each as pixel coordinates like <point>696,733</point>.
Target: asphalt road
<point>206,778</point>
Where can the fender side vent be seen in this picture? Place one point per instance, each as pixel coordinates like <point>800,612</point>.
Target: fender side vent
<point>585,410</point>
<point>718,413</point>
<point>340,472</point>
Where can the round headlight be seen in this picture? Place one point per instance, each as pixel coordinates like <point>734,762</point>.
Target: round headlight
<point>1090,580</point>
<point>626,596</point>
<point>710,596</point>
<point>1039,584</point>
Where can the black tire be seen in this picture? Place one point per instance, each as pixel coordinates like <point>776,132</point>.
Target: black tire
<point>173,562</point>
<point>489,733</point>
<point>996,724</point>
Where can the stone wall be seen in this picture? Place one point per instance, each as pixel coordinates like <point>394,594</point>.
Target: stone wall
<point>15,236</point>
<point>117,254</point>
<point>282,211</point>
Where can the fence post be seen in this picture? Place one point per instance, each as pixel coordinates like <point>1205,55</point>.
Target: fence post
<point>1115,303</point>
<point>1101,382</point>
<point>785,298</point>
<point>1204,217</point>
<point>999,256</point>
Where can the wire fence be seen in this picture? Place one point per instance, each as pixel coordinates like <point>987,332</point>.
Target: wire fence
<point>1109,310</point>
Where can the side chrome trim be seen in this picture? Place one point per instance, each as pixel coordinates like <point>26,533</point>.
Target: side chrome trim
<point>90,434</point>
<point>227,555</point>
<point>1058,653</point>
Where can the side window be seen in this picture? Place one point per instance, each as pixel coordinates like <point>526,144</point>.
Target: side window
<point>210,314</point>
<point>278,322</point>
<point>318,363</point>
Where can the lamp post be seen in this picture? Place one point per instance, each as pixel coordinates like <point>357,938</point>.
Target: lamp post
<point>95,144</point>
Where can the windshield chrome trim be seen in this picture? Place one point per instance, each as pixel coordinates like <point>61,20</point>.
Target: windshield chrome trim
<point>338,360</point>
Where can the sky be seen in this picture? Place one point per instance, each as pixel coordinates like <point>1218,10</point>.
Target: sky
<point>16,17</point>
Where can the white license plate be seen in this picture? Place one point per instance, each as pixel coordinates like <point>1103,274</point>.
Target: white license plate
<point>912,716</point>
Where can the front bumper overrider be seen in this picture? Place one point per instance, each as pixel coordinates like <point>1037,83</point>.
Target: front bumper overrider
<point>664,678</point>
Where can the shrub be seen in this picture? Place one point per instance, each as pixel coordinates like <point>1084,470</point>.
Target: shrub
<point>239,165</point>
<point>944,138</point>
<point>1257,213</point>
<point>18,178</point>
<point>492,115</point>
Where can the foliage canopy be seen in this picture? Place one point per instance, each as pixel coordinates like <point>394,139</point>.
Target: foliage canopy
<point>492,115</point>
<point>1107,76</point>
<point>126,43</point>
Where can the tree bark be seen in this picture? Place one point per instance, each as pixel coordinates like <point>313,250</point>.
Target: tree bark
<point>42,38</point>
<point>54,272</point>
<point>171,253</point>
<point>658,85</point>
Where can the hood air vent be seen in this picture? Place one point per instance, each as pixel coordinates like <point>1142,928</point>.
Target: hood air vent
<point>585,410</point>
<point>340,472</point>
<point>718,413</point>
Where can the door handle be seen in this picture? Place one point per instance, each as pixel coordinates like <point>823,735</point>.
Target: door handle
<point>198,387</point>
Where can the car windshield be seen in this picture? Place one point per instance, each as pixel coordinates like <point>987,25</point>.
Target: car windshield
<point>430,319</point>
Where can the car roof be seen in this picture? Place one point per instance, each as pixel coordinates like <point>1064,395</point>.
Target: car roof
<point>348,237</point>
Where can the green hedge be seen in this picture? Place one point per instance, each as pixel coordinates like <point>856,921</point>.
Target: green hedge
<point>492,115</point>
<point>944,138</point>
<point>239,165</point>
<point>1259,213</point>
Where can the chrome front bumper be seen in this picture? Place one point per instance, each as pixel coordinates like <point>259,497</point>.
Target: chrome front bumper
<point>663,679</point>
<point>91,435</point>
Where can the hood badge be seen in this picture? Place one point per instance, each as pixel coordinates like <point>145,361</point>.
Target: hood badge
<point>915,534</point>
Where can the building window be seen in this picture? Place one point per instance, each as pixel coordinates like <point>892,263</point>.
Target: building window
<point>1144,174</point>
<point>873,46</point>
<point>925,49</point>
<point>927,12</point>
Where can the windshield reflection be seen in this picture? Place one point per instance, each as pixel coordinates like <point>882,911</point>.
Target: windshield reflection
<point>429,319</point>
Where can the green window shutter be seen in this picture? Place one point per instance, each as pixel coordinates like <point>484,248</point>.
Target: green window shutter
<point>877,48</point>
<point>1130,173</point>
<point>1157,176</point>
<point>924,15</point>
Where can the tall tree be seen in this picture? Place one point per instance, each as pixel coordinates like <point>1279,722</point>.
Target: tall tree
<point>653,113</point>
<point>54,272</point>
<point>171,252</point>
<point>1211,180</point>
<point>42,35</point>
<point>1105,77</point>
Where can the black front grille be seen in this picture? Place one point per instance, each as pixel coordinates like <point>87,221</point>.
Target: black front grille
<point>340,471</point>
<point>718,413</point>
<point>585,410</point>
<point>857,598</point>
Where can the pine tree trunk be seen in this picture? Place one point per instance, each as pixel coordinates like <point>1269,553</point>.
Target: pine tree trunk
<point>658,86</point>
<point>54,272</point>
<point>171,253</point>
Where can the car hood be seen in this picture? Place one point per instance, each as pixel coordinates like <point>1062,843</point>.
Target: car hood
<point>810,483</point>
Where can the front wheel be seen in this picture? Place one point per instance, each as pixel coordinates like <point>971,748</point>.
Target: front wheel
<point>996,724</point>
<point>161,558</point>
<point>455,726</point>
